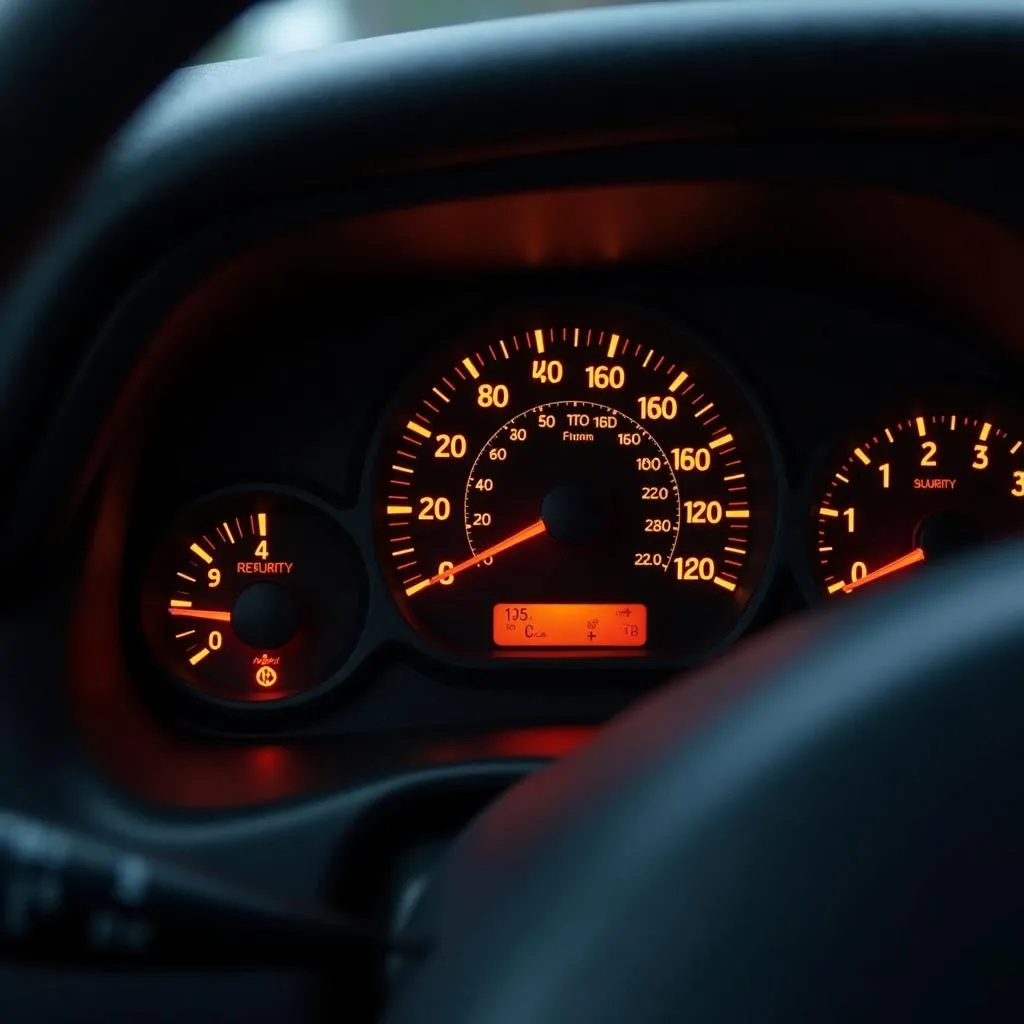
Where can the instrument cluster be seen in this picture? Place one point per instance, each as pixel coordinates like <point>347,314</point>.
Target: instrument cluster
<point>575,484</point>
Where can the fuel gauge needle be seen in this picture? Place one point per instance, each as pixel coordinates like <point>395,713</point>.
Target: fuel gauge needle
<point>527,533</point>
<point>201,613</point>
<point>904,562</point>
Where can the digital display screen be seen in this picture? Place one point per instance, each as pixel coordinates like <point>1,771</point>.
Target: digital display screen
<point>570,625</point>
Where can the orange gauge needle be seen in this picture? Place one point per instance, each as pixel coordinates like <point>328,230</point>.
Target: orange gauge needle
<point>529,532</point>
<point>909,559</point>
<point>201,613</point>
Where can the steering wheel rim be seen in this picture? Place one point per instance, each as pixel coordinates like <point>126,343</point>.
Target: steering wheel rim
<point>69,65</point>
<point>825,825</point>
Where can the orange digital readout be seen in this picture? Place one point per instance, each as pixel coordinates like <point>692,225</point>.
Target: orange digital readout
<point>570,625</point>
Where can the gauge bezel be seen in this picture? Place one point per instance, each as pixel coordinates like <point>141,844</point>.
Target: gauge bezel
<point>179,692</point>
<point>550,309</point>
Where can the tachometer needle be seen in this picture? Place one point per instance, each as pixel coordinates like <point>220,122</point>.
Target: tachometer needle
<point>529,532</point>
<point>201,613</point>
<point>909,559</point>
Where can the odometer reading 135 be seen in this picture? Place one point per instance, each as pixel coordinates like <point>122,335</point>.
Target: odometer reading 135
<point>563,489</point>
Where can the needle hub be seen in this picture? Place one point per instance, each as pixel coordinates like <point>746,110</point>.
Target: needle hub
<point>265,616</point>
<point>576,513</point>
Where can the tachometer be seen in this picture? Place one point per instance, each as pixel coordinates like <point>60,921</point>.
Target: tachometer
<point>570,487</point>
<point>912,492</point>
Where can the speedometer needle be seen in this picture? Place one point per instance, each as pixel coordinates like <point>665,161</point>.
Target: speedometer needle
<point>201,613</point>
<point>528,533</point>
<point>907,560</point>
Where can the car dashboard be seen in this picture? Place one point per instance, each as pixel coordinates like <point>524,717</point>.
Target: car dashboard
<point>473,474</point>
<point>384,456</point>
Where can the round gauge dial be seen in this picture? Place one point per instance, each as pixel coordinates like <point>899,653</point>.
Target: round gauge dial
<point>565,487</point>
<point>915,492</point>
<point>252,598</point>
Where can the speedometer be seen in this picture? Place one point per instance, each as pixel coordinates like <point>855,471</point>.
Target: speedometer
<point>570,487</point>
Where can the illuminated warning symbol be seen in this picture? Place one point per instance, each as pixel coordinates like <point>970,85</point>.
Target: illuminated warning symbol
<point>266,676</point>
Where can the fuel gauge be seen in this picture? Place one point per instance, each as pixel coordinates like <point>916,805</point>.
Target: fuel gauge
<point>252,597</point>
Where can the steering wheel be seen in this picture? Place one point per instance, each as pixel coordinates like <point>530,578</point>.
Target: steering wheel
<point>825,825</point>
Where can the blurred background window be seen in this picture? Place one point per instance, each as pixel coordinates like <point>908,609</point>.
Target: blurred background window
<point>282,26</point>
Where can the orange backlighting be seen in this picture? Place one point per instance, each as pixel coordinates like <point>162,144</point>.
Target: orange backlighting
<point>266,676</point>
<point>570,625</point>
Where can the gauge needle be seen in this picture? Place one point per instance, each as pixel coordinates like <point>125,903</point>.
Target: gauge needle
<point>201,613</point>
<point>529,532</point>
<point>907,560</point>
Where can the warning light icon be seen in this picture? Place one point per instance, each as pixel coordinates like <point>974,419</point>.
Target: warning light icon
<point>266,676</point>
